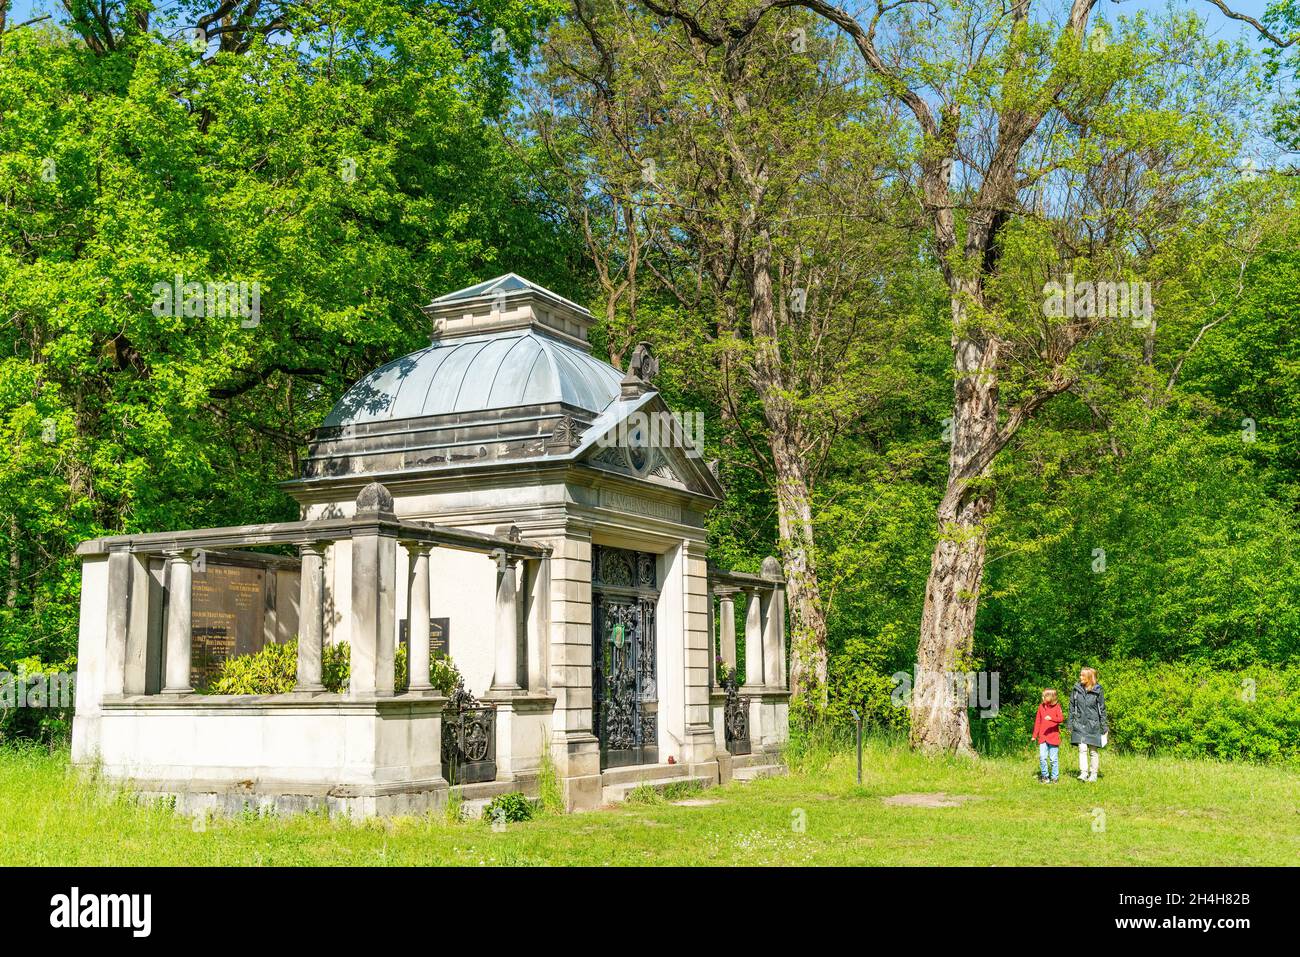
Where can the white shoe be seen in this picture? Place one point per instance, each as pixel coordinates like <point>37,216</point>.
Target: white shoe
<point>1082,776</point>
<point>1092,777</point>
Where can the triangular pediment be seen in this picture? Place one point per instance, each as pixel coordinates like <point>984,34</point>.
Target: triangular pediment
<point>649,443</point>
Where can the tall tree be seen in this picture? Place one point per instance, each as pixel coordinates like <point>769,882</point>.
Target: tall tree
<point>350,175</point>
<point>1014,110</point>
<point>752,160</point>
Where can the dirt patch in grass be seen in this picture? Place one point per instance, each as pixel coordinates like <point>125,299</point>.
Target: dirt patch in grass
<point>937,799</point>
<point>697,802</point>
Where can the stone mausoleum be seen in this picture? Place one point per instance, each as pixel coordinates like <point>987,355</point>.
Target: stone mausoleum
<point>502,498</point>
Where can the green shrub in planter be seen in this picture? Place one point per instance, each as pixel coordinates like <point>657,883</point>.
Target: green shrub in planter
<point>274,670</point>
<point>336,667</point>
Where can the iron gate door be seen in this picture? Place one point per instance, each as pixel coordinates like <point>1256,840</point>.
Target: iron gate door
<point>624,587</point>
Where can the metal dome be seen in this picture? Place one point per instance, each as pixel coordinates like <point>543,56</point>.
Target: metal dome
<point>503,370</point>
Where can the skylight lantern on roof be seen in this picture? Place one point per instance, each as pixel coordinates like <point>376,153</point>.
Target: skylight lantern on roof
<point>506,303</point>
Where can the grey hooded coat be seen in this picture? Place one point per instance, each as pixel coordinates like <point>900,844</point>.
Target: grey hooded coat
<point>1088,720</point>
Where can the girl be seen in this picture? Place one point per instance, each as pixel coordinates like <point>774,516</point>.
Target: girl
<point>1047,732</point>
<point>1089,725</point>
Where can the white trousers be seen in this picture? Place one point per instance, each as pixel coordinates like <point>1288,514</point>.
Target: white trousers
<point>1084,751</point>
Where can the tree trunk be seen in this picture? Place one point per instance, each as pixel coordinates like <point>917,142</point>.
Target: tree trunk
<point>940,722</point>
<point>808,683</point>
<point>793,496</point>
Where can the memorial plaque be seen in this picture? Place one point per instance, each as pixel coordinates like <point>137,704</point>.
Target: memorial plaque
<point>439,643</point>
<point>228,616</point>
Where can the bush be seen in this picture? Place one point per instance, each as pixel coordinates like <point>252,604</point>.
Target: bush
<point>511,808</point>
<point>1184,710</point>
<point>37,718</point>
<point>336,666</point>
<point>274,670</point>
<point>857,681</point>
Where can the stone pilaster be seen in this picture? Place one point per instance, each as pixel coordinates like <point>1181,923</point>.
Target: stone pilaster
<point>727,627</point>
<point>774,628</point>
<point>417,616</point>
<point>574,750</point>
<point>374,594</point>
<point>179,616</point>
<point>753,639</point>
<point>699,747</point>
<point>506,677</point>
<point>311,616</point>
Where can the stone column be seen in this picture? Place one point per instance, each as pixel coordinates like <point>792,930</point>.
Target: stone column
<point>311,616</point>
<point>179,632</point>
<point>727,613</point>
<point>712,620</point>
<point>507,624</point>
<point>117,624</point>
<point>774,627</point>
<point>538,612</point>
<point>753,638</point>
<point>417,616</point>
<point>374,593</point>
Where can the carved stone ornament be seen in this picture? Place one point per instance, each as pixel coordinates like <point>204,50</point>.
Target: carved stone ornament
<point>566,437</point>
<point>374,499</point>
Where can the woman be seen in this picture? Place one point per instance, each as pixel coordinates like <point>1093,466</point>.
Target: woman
<point>1089,725</point>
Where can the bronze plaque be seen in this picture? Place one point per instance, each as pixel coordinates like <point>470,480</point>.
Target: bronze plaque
<point>229,613</point>
<point>439,643</point>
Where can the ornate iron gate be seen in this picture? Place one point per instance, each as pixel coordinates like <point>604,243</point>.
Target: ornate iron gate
<point>624,587</point>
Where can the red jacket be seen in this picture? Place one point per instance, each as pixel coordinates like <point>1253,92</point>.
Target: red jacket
<point>1047,724</point>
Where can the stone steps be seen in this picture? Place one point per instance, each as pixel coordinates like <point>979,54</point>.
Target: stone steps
<point>642,772</point>
<point>752,760</point>
<point>475,797</point>
<point>755,771</point>
<point>617,793</point>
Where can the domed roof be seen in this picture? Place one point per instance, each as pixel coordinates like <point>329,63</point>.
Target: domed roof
<point>507,369</point>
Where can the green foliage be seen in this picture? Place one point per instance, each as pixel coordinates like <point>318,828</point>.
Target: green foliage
<point>1175,550</point>
<point>510,808</point>
<point>814,744</point>
<point>550,790</point>
<point>643,794</point>
<point>443,674</point>
<point>274,670</point>
<point>857,681</point>
<point>1283,16</point>
<point>648,794</point>
<point>680,790</point>
<point>44,686</point>
<point>1191,813</point>
<point>126,163</point>
<point>336,666</point>
<point>353,173</point>
<point>1181,710</point>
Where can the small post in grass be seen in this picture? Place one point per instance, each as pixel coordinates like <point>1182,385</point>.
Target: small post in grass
<point>857,719</point>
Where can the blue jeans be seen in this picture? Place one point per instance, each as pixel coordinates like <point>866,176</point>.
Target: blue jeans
<point>1049,752</point>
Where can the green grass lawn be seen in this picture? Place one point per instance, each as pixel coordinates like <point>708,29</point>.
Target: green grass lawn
<point>1155,812</point>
